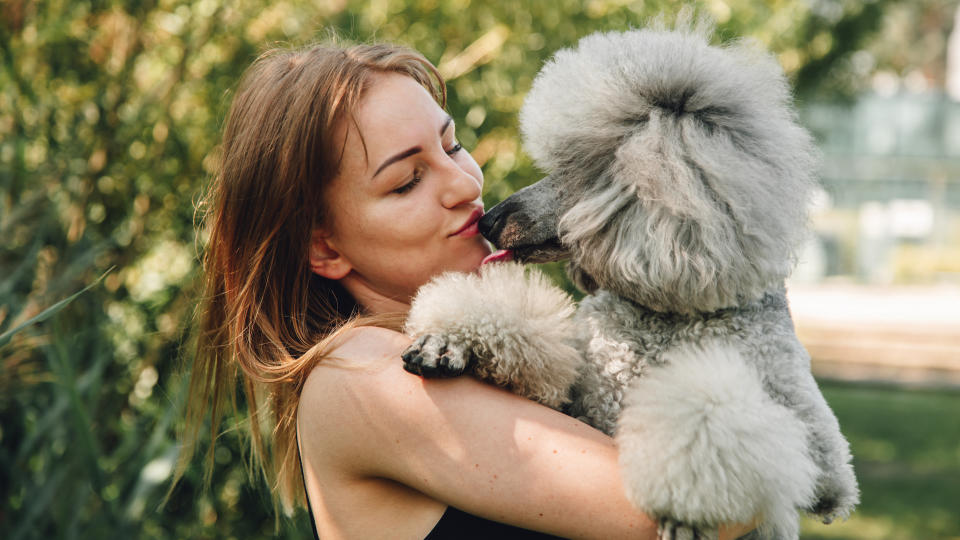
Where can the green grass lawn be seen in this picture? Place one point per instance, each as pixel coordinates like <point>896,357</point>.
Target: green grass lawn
<point>906,450</point>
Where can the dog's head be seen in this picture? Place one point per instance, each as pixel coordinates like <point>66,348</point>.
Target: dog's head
<point>678,175</point>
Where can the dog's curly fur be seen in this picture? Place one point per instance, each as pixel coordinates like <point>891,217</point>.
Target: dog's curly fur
<point>678,186</point>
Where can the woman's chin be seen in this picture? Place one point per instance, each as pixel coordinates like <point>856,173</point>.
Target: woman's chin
<point>478,255</point>
<point>464,257</point>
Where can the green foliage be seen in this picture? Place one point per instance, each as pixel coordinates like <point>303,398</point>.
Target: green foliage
<point>906,447</point>
<point>110,113</point>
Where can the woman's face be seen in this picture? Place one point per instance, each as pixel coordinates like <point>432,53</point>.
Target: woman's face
<point>405,203</point>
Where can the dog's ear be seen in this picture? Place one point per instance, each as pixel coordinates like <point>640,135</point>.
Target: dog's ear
<point>686,220</point>
<point>658,253</point>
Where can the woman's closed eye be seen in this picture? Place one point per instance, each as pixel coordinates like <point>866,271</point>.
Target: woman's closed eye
<point>418,173</point>
<point>417,177</point>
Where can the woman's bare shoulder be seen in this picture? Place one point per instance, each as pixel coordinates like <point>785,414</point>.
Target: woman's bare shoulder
<point>357,362</point>
<point>364,345</point>
<point>347,390</point>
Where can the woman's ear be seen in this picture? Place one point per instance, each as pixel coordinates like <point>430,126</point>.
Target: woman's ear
<point>324,259</point>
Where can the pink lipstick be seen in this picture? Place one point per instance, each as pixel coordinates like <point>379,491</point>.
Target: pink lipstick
<point>469,227</point>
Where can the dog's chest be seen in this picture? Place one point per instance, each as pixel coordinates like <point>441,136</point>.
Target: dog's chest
<point>620,340</point>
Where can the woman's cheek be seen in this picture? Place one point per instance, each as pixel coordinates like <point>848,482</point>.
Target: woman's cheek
<point>402,221</point>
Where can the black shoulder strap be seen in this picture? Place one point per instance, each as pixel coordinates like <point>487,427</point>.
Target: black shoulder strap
<point>306,495</point>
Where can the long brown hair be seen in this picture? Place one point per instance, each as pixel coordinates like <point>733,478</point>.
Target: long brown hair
<point>265,316</point>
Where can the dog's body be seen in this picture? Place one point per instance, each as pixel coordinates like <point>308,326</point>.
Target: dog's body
<point>722,421</point>
<point>678,194</point>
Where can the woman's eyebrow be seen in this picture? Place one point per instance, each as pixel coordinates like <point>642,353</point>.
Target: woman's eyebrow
<point>402,155</point>
<point>410,151</point>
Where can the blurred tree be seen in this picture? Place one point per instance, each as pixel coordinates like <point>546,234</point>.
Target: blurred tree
<point>909,43</point>
<point>926,24</point>
<point>110,112</point>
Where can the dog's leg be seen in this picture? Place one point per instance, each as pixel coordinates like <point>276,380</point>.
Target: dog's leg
<point>837,492</point>
<point>504,326</point>
<point>669,529</point>
<point>437,355</point>
<point>702,443</point>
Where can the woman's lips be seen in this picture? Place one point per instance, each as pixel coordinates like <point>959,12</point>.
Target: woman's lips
<point>469,228</point>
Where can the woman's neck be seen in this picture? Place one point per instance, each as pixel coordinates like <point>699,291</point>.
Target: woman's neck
<point>373,301</point>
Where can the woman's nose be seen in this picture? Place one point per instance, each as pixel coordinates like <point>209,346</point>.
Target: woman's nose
<point>459,187</point>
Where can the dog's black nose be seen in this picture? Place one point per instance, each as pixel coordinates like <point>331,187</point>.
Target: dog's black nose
<point>492,223</point>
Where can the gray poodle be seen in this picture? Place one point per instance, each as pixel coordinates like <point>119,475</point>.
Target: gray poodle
<point>678,186</point>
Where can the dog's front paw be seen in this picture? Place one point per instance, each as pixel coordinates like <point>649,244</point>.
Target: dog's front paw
<point>671,529</point>
<point>433,355</point>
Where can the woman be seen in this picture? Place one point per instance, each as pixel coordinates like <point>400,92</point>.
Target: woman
<point>342,189</point>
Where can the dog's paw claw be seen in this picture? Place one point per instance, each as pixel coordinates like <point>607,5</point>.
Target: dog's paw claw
<point>671,529</point>
<point>435,356</point>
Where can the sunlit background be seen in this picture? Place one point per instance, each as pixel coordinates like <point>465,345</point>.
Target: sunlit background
<point>110,114</point>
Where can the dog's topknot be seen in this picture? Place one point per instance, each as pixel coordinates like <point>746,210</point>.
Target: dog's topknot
<point>687,172</point>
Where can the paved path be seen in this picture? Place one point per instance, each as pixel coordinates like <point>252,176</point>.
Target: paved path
<point>908,334</point>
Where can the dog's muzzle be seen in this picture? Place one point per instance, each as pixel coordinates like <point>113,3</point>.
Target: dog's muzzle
<point>526,223</point>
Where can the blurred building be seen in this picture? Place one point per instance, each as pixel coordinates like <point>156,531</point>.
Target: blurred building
<point>890,210</point>
<point>877,293</point>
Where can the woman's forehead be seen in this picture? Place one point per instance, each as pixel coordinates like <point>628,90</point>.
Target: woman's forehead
<point>395,113</point>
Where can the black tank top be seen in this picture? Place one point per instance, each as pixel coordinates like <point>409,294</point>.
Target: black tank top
<point>454,524</point>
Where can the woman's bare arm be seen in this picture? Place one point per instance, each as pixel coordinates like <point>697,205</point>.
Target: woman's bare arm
<point>469,445</point>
